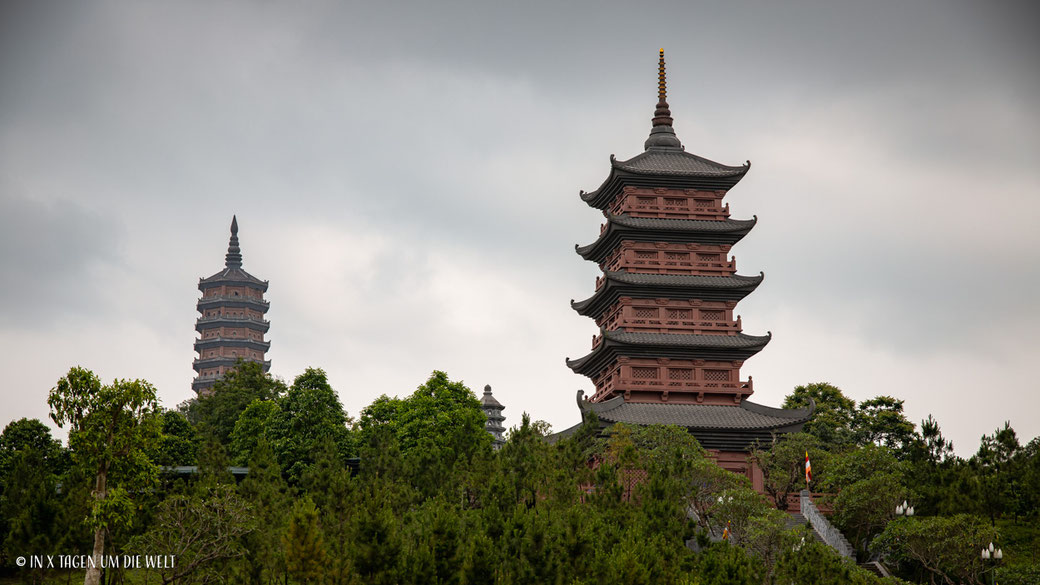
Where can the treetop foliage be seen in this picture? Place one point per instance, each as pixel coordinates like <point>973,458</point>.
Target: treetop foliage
<point>434,503</point>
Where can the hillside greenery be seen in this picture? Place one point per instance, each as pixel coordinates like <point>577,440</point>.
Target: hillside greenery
<point>411,491</point>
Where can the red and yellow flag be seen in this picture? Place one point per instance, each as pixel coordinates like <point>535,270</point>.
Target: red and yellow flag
<point>808,470</point>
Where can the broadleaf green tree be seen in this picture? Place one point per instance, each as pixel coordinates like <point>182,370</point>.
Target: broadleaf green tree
<point>216,413</point>
<point>783,465</point>
<point>200,531</point>
<point>308,414</point>
<point>834,415</point>
<point>253,424</point>
<point>112,429</point>
<point>938,547</point>
<point>880,421</point>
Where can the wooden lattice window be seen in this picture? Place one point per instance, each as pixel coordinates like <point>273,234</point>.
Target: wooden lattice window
<point>705,202</point>
<point>708,257</point>
<point>713,315</point>
<point>677,256</point>
<point>675,201</point>
<point>645,313</point>
<point>716,375</point>
<point>680,374</point>
<point>643,254</point>
<point>647,200</point>
<point>680,313</point>
<point>644,373</point>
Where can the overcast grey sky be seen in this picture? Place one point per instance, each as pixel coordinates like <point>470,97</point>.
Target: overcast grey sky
<point>406,176</point>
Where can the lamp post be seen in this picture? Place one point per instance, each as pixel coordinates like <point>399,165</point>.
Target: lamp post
<point>988,554</point>
<point>904,509</point>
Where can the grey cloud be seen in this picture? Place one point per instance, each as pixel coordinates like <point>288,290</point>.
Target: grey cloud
<point>49,254</point>
<point>462,132</point>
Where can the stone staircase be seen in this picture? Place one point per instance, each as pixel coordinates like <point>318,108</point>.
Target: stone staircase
<point>795,519</point>
<point>877,568</point>
<point>822,527</point>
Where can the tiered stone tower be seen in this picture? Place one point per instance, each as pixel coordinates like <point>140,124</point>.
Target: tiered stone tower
<point>670,348</point>
<point>493,411</point>
<point>231,323</point>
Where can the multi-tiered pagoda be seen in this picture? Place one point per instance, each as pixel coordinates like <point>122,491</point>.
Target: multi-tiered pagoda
<point>231,323</point>
<point>670,348</point>
<point>493,412</point>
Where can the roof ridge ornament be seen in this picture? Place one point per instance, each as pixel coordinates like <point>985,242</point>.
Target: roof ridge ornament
<point>233,259</point>
<point>662,135</point>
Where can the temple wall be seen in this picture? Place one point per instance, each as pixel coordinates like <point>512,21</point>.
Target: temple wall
<point>671,258</point>
<point>670,203</point>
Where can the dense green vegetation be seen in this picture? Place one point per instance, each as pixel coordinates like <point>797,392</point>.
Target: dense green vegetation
<point>432,502</point>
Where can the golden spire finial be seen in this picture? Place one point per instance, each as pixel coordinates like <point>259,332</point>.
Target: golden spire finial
<point>662,88</point>
<point>662,135</point>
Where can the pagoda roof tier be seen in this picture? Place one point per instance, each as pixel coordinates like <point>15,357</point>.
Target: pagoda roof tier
<point>674,286</point>
<point>204,323</point>
<point>211,342</point>
<point>716,426</point>
<point>746,415</point>
<point>488,400</point>
<point>669,167</point>
<point>648,229</point>
<point>667,345</point>
<point>203,383</point>
<point>232,276</point>
<point>239,302</point>
<point>229,362</point>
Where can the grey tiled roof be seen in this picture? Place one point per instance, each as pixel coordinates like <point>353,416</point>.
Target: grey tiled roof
<point>734,286</point>
<point>650,229</point>
<point>734,281</point>
<point>234,275</point>
<point>489,400</point>
<point>746,415</point>
<point>673,345</point>
<point>674,161</point>
<point>693,225</point>
<point>689,340</point>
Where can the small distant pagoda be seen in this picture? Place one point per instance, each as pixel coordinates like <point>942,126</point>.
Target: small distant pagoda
<point>493,411</point>
<point>231,320</point>
<point>670,349</point>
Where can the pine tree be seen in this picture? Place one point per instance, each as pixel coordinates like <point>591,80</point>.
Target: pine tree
<point>266,491</point>
<point>304,544</point>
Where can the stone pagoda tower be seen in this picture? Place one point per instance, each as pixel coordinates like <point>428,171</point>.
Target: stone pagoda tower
<point>231,322</point>
<point>493,411</point>
<point>670,348</point>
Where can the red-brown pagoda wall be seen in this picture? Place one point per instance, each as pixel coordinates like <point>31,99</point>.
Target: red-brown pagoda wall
<point>739,463</point>
<point>236,312</point>
<point>232,333</point>
<point>233,291</point>
<point>233,352</point>
<point>672,380</point>
<point>671,258</point>
<point>671,316</point>
<point>670,203</point>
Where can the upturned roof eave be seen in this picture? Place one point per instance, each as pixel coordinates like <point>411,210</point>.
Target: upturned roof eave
<point>231,276</point>
<point>610,347</point>
<point>684,231</point>
<point>621,177</point>
<point>783,420</point>
<point>614,287</point>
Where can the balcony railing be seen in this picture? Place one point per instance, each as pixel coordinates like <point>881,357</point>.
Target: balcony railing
<point>218,340</point>
<point>217,358</point>
<point>237,319</point>
<point>665,325</point>
<point>228,298</point>
<point>627,261</point>
<point>658,209</point>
